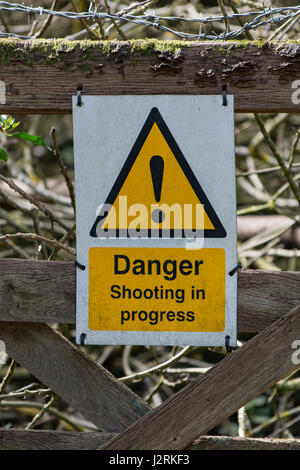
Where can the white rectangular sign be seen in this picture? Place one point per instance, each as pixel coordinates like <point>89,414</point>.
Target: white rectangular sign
<point>156,220</point>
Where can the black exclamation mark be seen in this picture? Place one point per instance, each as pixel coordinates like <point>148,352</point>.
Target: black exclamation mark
<point>157,171</point>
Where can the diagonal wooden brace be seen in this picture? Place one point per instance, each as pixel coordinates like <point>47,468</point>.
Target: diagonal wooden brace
<point>74,376</point>
<point>220,392</point>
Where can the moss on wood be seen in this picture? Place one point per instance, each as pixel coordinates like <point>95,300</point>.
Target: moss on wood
<point>50,51</point>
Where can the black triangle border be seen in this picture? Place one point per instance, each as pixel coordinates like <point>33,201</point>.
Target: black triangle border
<point>155,117</point>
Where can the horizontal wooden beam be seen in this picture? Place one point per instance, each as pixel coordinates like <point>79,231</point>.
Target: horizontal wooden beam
<point>39,291</point>
<point>51,440</point>
<point>242,443</point>
<point>44,291</point>
<point>65,440</point>
<point>264,297</point>
<point>216,395</point>
<point>40,76</point>
<point>74,376</point>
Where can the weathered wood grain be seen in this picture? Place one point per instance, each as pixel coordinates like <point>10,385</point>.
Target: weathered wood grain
<point>44,291</point>
<point>74,376</point>
<point>37,291</point>
<point>220,392</point>
<point>264,296</point>
<point>64,440</point>
<point>239,443</point>
<point>42,75</point>
<point>51,440</point>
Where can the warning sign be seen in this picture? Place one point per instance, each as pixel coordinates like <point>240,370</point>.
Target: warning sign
<point>155,220</point>
<point>150,289</point>
<point>156,192</point>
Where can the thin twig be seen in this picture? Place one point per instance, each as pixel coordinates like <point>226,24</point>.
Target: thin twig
<point>63,168</point>
<point>271,125</point>
<point>47,22</point>
<point>11,221</point>
<point>276,154</point>
<point>224,12</point>
<point>35,405</point>
<point>63,239</point>
<point>27,394</point>
<point>285,426</point>
<point>259,254</point>
<point>8,375</point>
<point>35,220</point>
<point>236,11</point>
<point>101,27</point>
<point>42,207</point>
<point>123,36</point>
<point>3,21</point>
<point>34,236</point>
<point>155,389</point>
<point>242,421</point>
<point>138,8</point>
<point>283,27</point>
<point>45,193</point>
<point>288,386</point>
<point>41,413</point>
<point>278,252</point>
<point>269,422</point>
<point>158,368</point>
<point>266,170</point>
<point>187,370</point>
<point>91,32</point>
<point>293,151</point>
<point>14,203</point>
<point>18,250</point>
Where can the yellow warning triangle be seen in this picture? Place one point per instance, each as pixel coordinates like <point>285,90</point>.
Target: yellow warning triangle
<point>157,190</point>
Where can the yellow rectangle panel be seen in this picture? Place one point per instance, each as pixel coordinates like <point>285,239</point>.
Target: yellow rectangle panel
<point>157,289</point>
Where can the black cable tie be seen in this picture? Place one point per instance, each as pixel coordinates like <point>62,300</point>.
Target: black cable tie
<point>82,339</point>
<point>79,92</point>
<point>227,341</point>
<point>224,93</point>
<point>80,266</point>
<point>234,270</point>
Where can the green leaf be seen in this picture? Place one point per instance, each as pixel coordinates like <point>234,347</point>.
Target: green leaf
<point>3,155</point>
<point>35,139</point>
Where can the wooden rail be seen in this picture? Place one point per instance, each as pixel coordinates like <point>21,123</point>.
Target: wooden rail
<point>51,440</point>
<point>41,76</point>
<point>239,443</point>
<point>44,292</point>
<point>64,440</point>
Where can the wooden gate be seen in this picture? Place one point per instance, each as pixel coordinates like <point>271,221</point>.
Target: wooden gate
<point>41,77</point>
